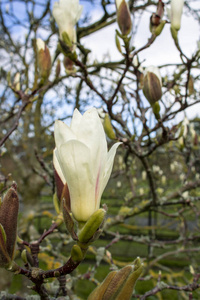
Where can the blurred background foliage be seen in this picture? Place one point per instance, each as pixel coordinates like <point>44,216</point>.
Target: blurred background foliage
<point>153,194</point>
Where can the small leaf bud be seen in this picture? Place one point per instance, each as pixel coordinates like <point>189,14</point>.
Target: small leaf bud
<point>108,128</point>
<point>77,254</point>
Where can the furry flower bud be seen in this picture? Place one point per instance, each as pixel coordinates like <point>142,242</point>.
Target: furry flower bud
<point>118,284</point>
<point>8,226</point>
<point>152,84</point>
<point>44,59</point>
<point>123,17</point>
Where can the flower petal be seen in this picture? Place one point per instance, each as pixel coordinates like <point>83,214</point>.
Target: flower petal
<point>57,166</point>
<point>67,14</point>
<point>92,134</point>
<point>74,159</point>
<point>108,169</point>
<point>76,119</point>
<point>62,133</point>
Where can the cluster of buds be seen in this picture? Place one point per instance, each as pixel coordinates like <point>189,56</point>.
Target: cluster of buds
<point>118,284</point>
<point>8,226</point>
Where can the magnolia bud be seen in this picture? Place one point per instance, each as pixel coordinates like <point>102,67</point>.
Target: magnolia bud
<point>118,284</point>
<point>16,82</point>
<point>152,85</point>
<point>44,59</point>
<point>108,128</point>
<point>191,89</point>
<point>156,23</point>
<point>117,42</point>
<point>123,17</point>
<point>98,293</point>
<point>8,226</point>
<point>156,110</point>
<point>176,13</point>
<point>91,226</point>
<point>76,254</point>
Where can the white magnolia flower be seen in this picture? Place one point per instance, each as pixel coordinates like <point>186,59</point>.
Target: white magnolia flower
<point>82,161</point>
<point>175,13</point>
<point>67,13</point>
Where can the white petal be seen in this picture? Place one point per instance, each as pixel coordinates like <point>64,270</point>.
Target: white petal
<point>76,119</point>
<point>67,14</point>
<point>176,13</point>
<point>62,133</point>
<point>107,170</point>
<point>118,3</point>
<point>92,134</point>
<point>76,167</point>
<point>40,44</point>
<point>57,166</point>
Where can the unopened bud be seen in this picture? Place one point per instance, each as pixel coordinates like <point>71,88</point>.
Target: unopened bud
<point>160,9</point>
<point>156,23</point>
<point>24,256</point>
<point>191,86</point>
<point>77,254</point>
<point>152,85</point>
<point>16,82</point>
<point>123,17</point>
<point>176,13</point>
<point>108,128</point>
<point>156,110</point>
<point>8,229</point>
<point>117,42</point>
<point>118,284</point>
<point>98,293</point>
<point>44,59</point>
<point>91,226</point>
